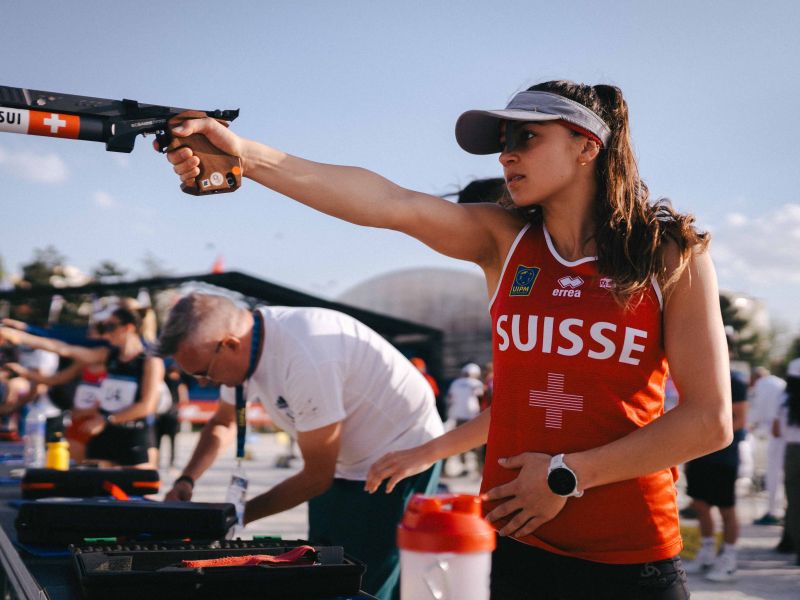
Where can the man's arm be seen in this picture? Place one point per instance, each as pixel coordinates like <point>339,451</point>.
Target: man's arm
<point>216,435</point>
<point>320,449</point>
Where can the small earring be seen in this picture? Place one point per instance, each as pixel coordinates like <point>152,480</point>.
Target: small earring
<point>583,164</point>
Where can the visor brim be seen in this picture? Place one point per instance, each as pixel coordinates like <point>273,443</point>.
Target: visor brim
<point>478,131</point>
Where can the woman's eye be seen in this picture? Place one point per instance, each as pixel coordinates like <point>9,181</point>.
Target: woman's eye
<point>524,137</point>
<point>515,137</point>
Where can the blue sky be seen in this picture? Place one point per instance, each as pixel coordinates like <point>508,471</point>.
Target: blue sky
<point>712,88</point>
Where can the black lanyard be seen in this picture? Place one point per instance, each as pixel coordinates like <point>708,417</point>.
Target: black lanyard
<point>241,403</point>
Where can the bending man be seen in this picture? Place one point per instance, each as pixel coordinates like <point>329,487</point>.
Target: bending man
<point>340,389</point>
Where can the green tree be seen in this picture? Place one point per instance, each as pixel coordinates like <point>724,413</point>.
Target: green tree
<point>748,342</point>
<point>43,266</point>
<point>793,352</point>
<point>108,272</point>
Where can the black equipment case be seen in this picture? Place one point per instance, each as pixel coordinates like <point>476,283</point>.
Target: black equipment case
<point>54,522</point>
<point>154,571</point>
<point>87,483</point>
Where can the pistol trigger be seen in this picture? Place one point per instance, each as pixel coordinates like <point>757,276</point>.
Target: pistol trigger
<point>164,139</point>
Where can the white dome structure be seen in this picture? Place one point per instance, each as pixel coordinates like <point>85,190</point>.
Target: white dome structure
<point>452,300</point>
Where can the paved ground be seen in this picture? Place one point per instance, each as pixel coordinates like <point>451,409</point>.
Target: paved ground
<point>763,573</point>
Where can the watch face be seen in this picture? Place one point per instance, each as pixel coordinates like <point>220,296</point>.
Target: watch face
<point>562,481</point>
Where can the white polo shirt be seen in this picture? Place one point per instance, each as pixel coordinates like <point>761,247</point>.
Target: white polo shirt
<point>320,366</point>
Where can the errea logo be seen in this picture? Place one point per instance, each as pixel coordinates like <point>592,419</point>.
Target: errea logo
<point>568,287</point>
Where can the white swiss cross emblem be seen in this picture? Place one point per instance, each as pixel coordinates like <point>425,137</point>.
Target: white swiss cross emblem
<point>54,123</point>
<point>555,401</point>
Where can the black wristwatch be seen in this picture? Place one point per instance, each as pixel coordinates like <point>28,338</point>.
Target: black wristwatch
<point>186,478</point>
<point>561,479</point>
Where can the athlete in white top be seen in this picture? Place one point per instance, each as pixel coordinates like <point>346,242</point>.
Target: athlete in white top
<point>463,397</point>
<point>766,399</point>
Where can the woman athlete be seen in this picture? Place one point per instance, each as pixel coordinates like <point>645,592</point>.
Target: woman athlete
<point>594,290</point>
<point>120,431</point>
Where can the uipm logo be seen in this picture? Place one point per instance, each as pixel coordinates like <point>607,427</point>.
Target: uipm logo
<point>569,287</point>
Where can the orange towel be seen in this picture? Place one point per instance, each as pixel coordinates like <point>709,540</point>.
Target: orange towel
<point>296,555</point>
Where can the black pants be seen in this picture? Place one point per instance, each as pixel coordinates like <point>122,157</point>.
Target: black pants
<point>522,572</point>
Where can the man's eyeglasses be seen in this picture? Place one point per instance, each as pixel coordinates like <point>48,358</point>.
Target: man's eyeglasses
<point>205,376</point>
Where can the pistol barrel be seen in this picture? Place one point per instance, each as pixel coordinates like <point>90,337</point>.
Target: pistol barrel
<point>52,124</point>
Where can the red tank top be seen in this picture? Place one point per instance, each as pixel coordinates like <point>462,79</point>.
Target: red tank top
<point>573,371</point>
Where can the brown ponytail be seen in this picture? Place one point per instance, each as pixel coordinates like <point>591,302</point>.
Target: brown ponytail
<point>630,231</point>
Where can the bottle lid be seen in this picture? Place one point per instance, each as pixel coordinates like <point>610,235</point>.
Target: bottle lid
<point>445,523</point>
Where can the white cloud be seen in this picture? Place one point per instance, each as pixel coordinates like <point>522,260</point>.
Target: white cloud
<point>40,168</point>
<point>736,220</point>
<point>763,249</point>
<point>104,200</point>
<point>760,254</point>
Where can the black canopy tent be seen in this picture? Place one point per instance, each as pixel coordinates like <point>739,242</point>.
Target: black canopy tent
<point>412,339</point>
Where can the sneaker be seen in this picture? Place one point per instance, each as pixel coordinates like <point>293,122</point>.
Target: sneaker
<point>724,568</point>
<point>702,562</point>
<point>767,519</point>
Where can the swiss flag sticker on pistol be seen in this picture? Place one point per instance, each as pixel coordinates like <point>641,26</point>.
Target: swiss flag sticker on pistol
<point>54,124</point>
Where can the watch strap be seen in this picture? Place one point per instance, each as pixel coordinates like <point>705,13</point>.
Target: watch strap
<point>186,478</point>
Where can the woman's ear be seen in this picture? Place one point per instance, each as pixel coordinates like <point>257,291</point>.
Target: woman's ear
<point>589,151</point>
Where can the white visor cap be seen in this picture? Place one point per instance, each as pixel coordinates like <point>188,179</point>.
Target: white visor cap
<point>478,131</point>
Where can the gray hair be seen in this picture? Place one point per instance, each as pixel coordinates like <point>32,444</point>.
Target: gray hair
<point>196,316</point>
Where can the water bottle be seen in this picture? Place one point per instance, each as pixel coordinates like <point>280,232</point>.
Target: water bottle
<point>237,495</point>
<point>35,428</point>
<point>58,453</point>
<point>445,549</point>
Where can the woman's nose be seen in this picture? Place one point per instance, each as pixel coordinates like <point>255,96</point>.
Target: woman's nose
<point>506,157</point>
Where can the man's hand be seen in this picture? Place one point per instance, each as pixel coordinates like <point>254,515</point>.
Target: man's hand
<point>396,466</point>
<point>181,491</point>
<point>183,160</point>
<point>528,499</point>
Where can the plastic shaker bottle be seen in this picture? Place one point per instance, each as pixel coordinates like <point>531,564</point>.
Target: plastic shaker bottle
<point>445,549</point>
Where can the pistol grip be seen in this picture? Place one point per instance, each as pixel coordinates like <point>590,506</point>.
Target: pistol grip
<point>219,172</point>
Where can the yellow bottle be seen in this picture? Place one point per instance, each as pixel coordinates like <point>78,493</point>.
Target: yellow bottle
<point>58,455</point>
